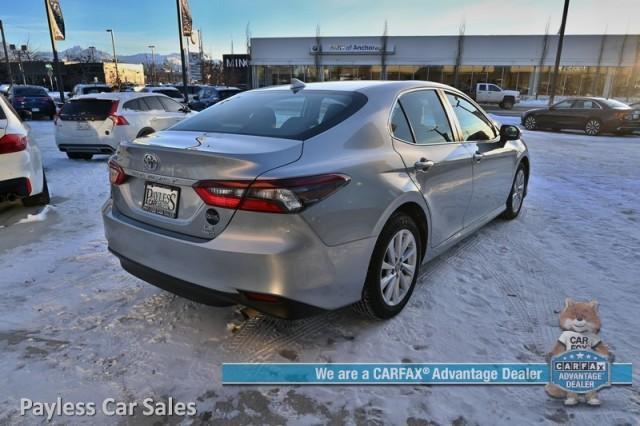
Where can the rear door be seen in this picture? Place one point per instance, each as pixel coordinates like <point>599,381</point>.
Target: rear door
<point>440,166</point>
<point>159,119</point>
<point>493,161</point>
<point>176,112</point>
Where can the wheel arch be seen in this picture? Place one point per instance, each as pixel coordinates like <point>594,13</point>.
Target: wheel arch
<point>527,170</point>
<point>145,131</point>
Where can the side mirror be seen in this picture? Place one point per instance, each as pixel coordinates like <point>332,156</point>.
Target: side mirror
<point>25,115</point>
<point>509,132</point>
<point>196,98</point>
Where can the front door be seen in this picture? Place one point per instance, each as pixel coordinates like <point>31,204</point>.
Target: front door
<point>440,167</point>
<point>493,163</point>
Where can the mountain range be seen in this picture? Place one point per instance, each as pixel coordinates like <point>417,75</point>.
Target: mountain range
<point>77,53</point>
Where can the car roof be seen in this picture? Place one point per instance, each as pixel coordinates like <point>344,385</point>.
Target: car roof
<point>365,86</point>
<point>117,96</point>
<point>160,88</point>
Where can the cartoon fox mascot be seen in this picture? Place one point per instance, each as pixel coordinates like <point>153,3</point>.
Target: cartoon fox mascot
<point>581,324</point>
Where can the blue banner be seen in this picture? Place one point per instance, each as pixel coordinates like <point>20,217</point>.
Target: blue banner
<point>416,373</point>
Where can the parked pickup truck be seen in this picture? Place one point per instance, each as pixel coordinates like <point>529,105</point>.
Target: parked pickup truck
<point>487,93</point>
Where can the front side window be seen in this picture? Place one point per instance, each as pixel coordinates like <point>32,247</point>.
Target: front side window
<point>276,113</point>
<point>474,124</point>
<point>170,105</point>
<point>426,117</point>
<point>399,125</point>
<point>153,103</point>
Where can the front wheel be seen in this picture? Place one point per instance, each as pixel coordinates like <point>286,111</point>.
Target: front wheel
<point>593,127</point>
<point>393,269</point>
<point>516,196</point>
<point>530,123</point>
<point>507,104</point>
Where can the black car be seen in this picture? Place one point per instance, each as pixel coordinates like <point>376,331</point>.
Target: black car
<point>34,99</point>
<point>209,95</point>
<point>593,115</point>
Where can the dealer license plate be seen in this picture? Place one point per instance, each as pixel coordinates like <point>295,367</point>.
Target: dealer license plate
<point>161,199</point>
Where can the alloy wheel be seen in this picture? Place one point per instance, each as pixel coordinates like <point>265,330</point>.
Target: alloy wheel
<point>592,128</point>
<point>398,267</point>
<point>518,190</point>
<point>530,123</point>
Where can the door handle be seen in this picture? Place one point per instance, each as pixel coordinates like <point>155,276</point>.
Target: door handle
<point>423,164</point>
<point>477,157</point>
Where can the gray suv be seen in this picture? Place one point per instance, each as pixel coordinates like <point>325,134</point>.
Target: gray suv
<point>295,200</point>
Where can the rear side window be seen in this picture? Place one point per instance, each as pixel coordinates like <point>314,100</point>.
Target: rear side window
<point>276,113</point>
<point>474,124</point>
<point>399,125</point>
<point>170,105</point>
<point>153,103</point>
<point>96,109</point>
<point>29,91</point>
<point>427,117</point>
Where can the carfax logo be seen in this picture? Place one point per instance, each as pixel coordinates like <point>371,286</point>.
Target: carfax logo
<point>579,361</point>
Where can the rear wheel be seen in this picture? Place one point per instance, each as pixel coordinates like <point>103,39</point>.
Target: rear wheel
<point>593,127</point>
<point>507,103</point>
<point>393,269</point>
<point>516,196</point>
<point>79,156</point>
<point>530,123</point>
<point>40,199</point>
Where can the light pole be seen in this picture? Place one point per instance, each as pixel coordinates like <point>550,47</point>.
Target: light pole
<point>556,67</point>
<point>153,64</point>
<point>115,58</point>
<point>6,55</point>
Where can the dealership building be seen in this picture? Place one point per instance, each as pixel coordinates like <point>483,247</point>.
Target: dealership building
<point>597,65</point>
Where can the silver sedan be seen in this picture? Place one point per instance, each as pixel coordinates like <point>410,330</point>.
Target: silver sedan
<point>303,198</point>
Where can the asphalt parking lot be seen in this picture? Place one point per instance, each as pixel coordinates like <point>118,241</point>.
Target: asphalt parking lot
<point>72,322</point>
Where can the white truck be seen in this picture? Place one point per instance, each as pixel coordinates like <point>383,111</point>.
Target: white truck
<point>488,93</point>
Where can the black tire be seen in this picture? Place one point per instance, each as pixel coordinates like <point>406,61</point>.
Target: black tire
<point>530,122</point>
<point>41,199</point>
<point>507,103</point>
<point>514,206</point>
<point>373,303</point>
<point>79,156</point>
<point>593,127</point>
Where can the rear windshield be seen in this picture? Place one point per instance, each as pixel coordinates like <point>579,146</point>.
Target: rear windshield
<point>86,109</point>
<point>616,104</point>
<point>30,91</point>
<point>97,89</point>
<point>281,113</point>
<point>170,93</point>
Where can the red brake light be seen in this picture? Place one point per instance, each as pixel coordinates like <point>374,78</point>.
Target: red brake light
<point>12,143</point>
<point>118,120</point>
<point>116,173</point>
<point>270,196</point>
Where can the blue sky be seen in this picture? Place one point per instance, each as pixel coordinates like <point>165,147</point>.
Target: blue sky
<point>139,23</point>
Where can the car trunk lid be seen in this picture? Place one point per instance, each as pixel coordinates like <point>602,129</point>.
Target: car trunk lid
<point>167,164</point>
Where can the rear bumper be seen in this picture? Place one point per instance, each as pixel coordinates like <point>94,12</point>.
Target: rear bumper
<point>19,188</point>
<point>288,261</point>
<point>87,148</point>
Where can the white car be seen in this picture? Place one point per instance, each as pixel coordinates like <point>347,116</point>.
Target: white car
<point>96,124</point>
<point>87,89</point>
<point>21,171</point>
<point>170,91</point>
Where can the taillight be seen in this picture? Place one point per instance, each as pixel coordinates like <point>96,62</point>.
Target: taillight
<point>270,196</point>
<point>116,173</point>
<point>118,120</point>
<point>12,143</point>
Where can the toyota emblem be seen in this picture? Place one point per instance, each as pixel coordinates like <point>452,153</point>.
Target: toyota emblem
<point>150,161</point>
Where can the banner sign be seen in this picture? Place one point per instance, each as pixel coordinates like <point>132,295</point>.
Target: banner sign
<point>57,21</point>
<point>351,49</point>
<point>416,373</point>
<point>187,21</point>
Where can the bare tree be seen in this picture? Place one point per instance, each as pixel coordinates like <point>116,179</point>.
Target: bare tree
<point>459,53</point>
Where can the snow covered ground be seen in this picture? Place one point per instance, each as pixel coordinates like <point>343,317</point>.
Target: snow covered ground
<point>73,324</point>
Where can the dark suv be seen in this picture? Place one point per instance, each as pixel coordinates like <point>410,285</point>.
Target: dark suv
<point>209,95</point>
<point>34,99</point>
